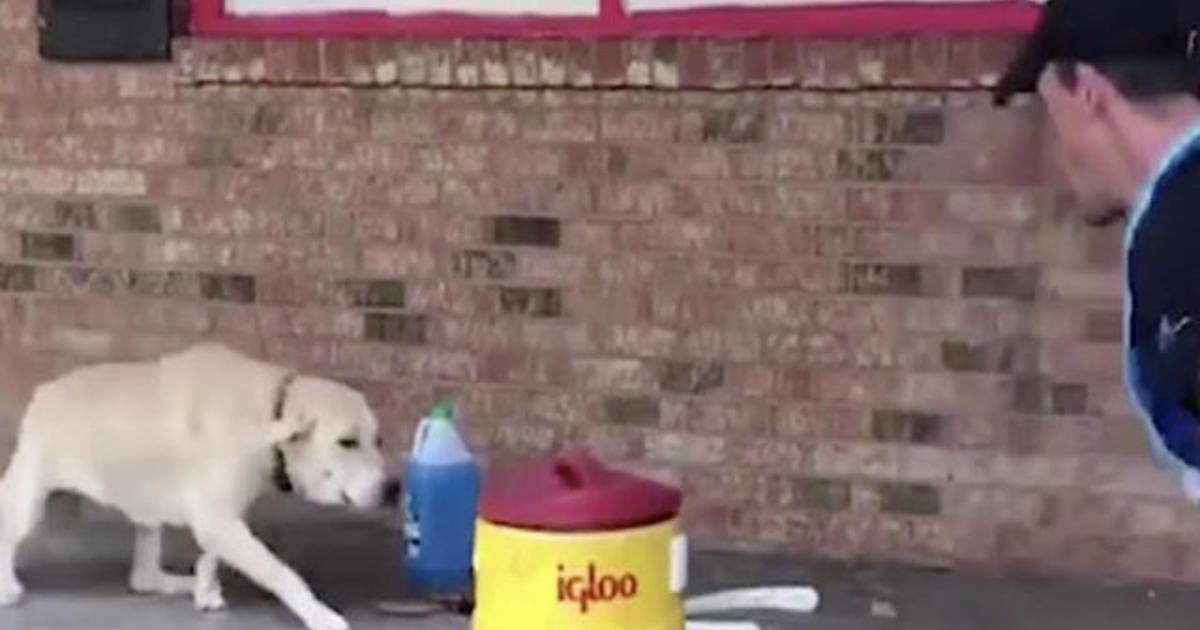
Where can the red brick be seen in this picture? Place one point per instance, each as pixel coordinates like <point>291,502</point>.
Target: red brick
<point>1159,558</point>
<point>1011,154</point>
<point>693,63</point>
<point>467,68</point>
<point>1082,285</point>
<point>758,63</point>
<point>494,64</point>
<point>280,60</point>
<point>17,16</point>
<point>963,51</point>
<point>21,80</point>
<point>897,57</point>
<point>931,61</point>
<point>638,125</point>
<point>809,127</point>
<point>992,207</point>
<point>782,57</point>
<point>551,59</point>
<point>805,164</point>
<point>871,64</point>
<point>35,117</point>
<point>831,63</point>
<point>150,151</point>
<point>684,449</point>
<point>559,336</point>
<point>64,81</point>
<point>727,64</point>
<point>562,126</point>
<point>146,83</point>
<point>996,53</point>
<point>387,62</point>
<point>410,63</point>
<point>335,60</point>
<point>632,410</point>
<point>901,127</point>
<point>843,423</point>
<point>549,266</point>
<point>797,422</point>
<point>581,63</point>
<point>639,64</point>
<point>75,150</point>
<point>611,62</point>
<point>715,485</point>
<point>611,443</point>
<point>364,62</point>
<point>199,61</point>
<point>520,68</point>
<point>665,63</point>
<point>33,180</point>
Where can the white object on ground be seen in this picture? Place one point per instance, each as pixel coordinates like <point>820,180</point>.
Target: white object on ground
<point>799,599</point>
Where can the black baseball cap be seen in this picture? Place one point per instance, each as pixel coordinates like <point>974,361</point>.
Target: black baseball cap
<point>1096,31</point>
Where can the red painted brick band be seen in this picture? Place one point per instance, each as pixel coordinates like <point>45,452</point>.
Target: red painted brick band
<point>209,18</point>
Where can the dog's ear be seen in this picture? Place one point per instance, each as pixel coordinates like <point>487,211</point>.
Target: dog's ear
<point>293,428</point>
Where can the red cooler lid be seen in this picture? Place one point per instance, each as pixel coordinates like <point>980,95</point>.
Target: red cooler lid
<point>573,492</point>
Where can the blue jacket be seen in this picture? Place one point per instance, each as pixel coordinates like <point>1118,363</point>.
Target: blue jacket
<point>1162,311</point>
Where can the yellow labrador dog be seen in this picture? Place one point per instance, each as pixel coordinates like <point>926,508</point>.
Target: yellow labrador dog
<point>192,440</point>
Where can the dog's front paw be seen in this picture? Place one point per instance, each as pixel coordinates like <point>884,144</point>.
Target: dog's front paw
<point>323,618</point>
<point>209,599</point>
<point>160,583</point>
<point>10,593</point>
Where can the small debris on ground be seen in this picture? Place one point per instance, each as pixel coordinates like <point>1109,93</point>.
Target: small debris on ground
<point>426,607</point>
<point>883,610</point>
<point>410,608</point>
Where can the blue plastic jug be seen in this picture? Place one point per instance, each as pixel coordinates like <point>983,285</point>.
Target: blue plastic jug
<point>440,505</point>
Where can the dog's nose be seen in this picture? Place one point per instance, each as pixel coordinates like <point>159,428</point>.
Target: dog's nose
<point>391,493</point>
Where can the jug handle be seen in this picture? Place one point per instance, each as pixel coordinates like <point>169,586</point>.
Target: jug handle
<point>422,435</point>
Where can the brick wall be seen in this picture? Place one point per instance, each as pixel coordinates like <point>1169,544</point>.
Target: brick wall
<point>834,296</point>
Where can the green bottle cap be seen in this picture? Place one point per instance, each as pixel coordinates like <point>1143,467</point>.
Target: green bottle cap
<point>443,410</point>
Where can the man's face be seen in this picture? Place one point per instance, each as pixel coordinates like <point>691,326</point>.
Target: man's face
<point>1086,149</point>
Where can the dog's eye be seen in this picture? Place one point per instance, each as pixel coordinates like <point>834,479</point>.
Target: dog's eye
<point>348,443</point>
<point>379,442</point>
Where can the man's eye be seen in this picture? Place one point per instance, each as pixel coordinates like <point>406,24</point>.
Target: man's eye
<point>348,443</point>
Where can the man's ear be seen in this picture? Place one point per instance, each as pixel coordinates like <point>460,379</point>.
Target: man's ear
<point>1094,90</point>
<point>297,427</point>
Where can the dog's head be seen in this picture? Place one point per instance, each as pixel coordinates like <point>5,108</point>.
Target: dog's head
<point>329,439</point>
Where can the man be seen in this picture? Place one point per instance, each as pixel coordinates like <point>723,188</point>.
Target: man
<point>1119,80</point>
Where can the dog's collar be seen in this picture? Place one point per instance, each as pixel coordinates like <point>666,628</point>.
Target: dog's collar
<point>281,394</point>
<point>279,473</point>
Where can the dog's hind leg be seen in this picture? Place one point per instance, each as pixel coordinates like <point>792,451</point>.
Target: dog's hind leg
<point>148,576</point>
<point>22,499</point>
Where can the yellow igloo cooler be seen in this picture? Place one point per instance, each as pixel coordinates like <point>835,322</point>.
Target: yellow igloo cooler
<point>570,544</point>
